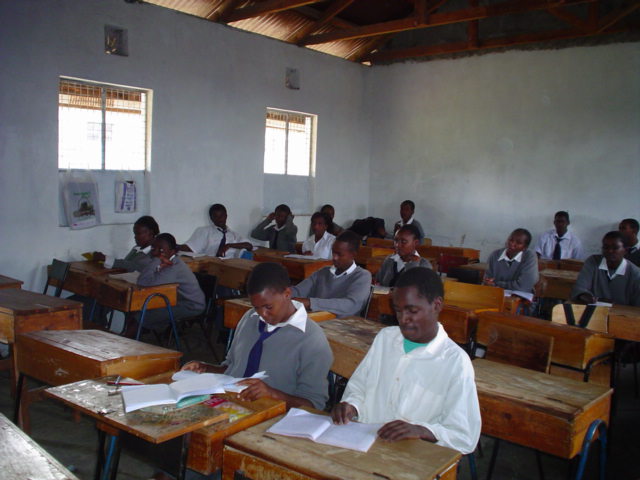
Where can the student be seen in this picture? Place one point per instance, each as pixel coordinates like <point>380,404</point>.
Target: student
<point>319,244</point>
<point>333,228</point>
<point>342,289</point>
<point>559,242</point>
<point>282,235</point>
<point>144,231</point>
<point>216,240</point>
<point>166,267</point>
<point>514,267</point>
<point>295,354</point>
<point>406,242</point>
<point>609,277</point>
<point>407,210</point>
<point>629,230</point>
<point>414,379</point>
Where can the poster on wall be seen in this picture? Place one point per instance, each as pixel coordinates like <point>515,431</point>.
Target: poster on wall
<point>125,196</point>
<point>80,195</point>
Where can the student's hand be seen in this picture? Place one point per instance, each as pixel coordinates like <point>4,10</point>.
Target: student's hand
<point>256,389</point>
<point>304,301</point>
<point>400,430</point>
<point>98,257</point>
<point>587,298</point>
<point>164,262</point>
<point>225,249</point>
<point>343,413</point>
<point>489,282</point>
<point>271,216</point>
<point>195,366</point>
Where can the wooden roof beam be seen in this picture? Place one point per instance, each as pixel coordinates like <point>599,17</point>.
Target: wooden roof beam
<point>570,18</point>
<point>224,9</point>
<point>265,8</point>
<point>438,19</point>
<point>334,9</point>
<point>617,15</point>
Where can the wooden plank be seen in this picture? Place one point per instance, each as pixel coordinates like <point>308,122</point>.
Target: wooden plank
<point>365,253</point>
<point>15,301</point>
<point>261,455</point>
<point>80,273</point>
<point>624,322</point>
<point>8,282</point>
<point>334,9</point>
<point>21,458</point>
<point>232,272</point>
<point>435,251</point>
<point>265,8</point>
<point>380,242</point>
<point>128,297</point>
<point>473,297</point>
<point>234,310</point>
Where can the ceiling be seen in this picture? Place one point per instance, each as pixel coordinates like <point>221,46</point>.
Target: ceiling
<point>387,31</point>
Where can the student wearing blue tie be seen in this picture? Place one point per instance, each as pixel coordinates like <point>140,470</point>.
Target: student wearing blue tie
<point>276,336</point>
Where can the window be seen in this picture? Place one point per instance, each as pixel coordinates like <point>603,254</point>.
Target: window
<point>101,127</point>
<point>289,143</point>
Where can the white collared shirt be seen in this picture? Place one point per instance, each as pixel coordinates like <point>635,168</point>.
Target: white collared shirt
<point>570,246</point>
<point>622,268</point>
<point>409,222</point>
<point>109,260</point>
<point>321,248</point>
<point>206,240</point>
<point>297,320</point>
<point>517,258</point>
<point>634,248</point>
<point>401,263</point>
<point>349,270</point>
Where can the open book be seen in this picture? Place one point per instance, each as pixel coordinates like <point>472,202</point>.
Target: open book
<point>519,293</point>
<point>320,429</point>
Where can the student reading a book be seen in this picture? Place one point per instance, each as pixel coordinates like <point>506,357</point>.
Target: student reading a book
<point>144,231</point>
<point>276,336</point>
<point>282,234</point>
<point>320,242</point>
<point>609,277</point>
<point>216,240</point>
<point>414,379</point>
<point>514,267</point>
<point>406,241</point>
<point>342,289</point>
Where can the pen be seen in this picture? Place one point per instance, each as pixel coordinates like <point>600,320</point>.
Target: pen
<point>124,384</point>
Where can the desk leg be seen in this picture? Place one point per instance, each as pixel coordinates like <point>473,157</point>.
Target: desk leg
<point>17,419</point>
<point>113,459</point>
<point>184,456</point>
<point>100,455</point>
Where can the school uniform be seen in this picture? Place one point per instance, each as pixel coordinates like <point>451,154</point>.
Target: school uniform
<point>569,245</point>
<point>296,356</point>
<point>432,386</point>
<point>633,254</point>
<point>393,266</point>
<point>621,286</point>
<point>207,239</point>
<point>135,261</point>
<point>519,273</point>
<point>279,238</point>
<point>411,221</point>
<point>321,248</point>
<point>343,295</point>
<point>191,299</point>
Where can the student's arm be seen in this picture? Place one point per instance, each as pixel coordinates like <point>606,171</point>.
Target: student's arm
<point>136,264</point>
<point>290,232</point>
<point>577,251</point>
<point>307,246</point>
<point>197,243</point>
<point>184,248</point>
<point>156,273</point>
<point>527,277</point>
<point>315,360</point>
<point>305,288</point>
<point>258,389</point>
<point>353,299</point>
<point>203,367</point>
<point>583,289</point>
<point>259,232</point>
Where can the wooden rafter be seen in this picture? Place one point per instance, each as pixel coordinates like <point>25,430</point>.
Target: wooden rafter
<point>316,15</point>
<point>265,8</point>
<point>329,14</point>
<point>438,19</point>
<point>614,17</point>
<point>570,18</point>
<point>224,9</point>
<point>473,34</point>
<point>374,44</point>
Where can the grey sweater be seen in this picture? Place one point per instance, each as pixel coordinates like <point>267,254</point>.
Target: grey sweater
<point>622,289</point>
<point>296,362</point>
<point>190,295</point>
<point>286,238</point>
<point>521,275</point>
<point>343,296</point>
<point>388,273</point>
<point>135,261</point>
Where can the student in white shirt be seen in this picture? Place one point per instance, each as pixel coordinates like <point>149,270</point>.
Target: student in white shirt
<point>216,240</point>
<point>319,244</point>
<point>559,242</point>
<point>414,379</point>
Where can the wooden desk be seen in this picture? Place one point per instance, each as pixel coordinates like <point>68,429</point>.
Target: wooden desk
<point>536,410</point>
<point>91,398</point>
<point>261,455</point>
<point>79,275</point>
<point>381,303</point>
<point>557,283</point>
<point>231,272</point>
<point>473,297</point>
<point>435,251</point>
<point>624,322</point>
<point>365,253</point>
<point>21,458</point>
<point>235,308</point>
<point>129,297</point>
<point>374,264</point>
<point>480,267</point>
<point>8,282</point>
<point>297,268</point>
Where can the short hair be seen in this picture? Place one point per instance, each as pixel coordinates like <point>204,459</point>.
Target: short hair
<point>216,207</point>
<point>149,222</point>
<point>564,214</point>
<point>268,276</point>
<point>283,207</point>
<point>324,216</point>
<point>632,222</point>
<point>350,238</point>
<point>411,229</point>
<point>426,281</point>
<point>170,239</point>
<point>326,206</point>
<point>525,232</point>
<point>410,203</point>
<point>613,235</point>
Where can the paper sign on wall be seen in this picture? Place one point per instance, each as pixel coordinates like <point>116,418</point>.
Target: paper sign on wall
<point>81,203</point>
<point>125,197</point>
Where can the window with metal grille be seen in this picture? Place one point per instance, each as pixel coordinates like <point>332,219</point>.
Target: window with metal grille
<point>289,143</point>
<point>101,127</point>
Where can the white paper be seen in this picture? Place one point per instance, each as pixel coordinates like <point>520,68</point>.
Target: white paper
<point>382,290</point>
<point>519,293</point>
<point>304,257</point>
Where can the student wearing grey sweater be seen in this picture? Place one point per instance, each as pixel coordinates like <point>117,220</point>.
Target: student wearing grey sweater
<point>342,289</point>
<point>514,267</point>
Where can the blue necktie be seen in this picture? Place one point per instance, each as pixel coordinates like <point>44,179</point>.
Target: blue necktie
<point>223,242</point>
<point>256,351</point>
<point>557,252</point>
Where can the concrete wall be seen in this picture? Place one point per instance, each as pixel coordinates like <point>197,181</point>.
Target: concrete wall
<point>211,86</point>
<point>487,144</point>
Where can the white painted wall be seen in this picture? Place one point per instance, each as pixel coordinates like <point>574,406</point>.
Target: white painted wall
<point>211,85</point>
<point>490,143</point>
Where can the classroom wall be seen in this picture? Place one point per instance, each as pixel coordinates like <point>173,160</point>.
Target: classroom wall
<point>211,85</point>
<point>489,143</point>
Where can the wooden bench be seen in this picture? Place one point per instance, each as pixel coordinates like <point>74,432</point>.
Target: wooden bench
<point>8,282</point>
<point>477,298</point>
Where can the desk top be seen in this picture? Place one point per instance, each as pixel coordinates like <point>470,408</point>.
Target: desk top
<point>557,274</point>
<point>91,397</point>
<point>406,460</point>
<point>235,308</point>
<point>8,282</point>
<point>22,458</point>
<point>15,301</point>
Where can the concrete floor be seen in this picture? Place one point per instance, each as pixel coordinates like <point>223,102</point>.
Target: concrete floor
<point>74,444</point>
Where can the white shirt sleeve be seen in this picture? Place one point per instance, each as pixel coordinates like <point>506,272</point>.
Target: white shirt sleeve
<point>198,240</point>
